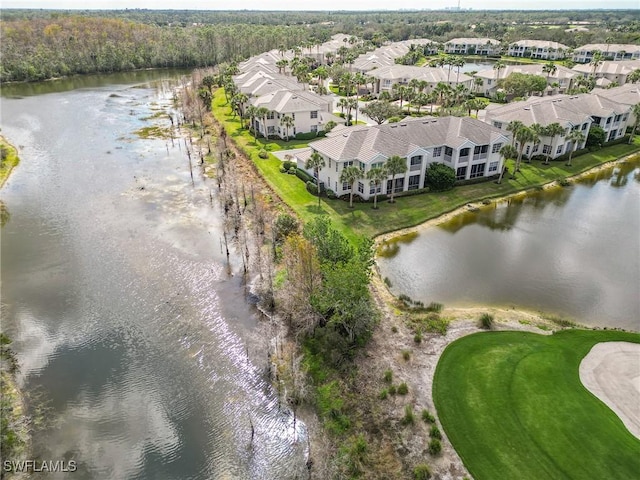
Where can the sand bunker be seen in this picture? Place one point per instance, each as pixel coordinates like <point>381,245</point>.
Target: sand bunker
<point>611,371</point>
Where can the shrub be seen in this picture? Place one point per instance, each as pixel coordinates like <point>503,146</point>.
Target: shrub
<point>406,355</point>
<point>393,119</point>
<point>435,446</point>
<point>388,376</point>
<point>434,432</point>
<point>284,225</point>
<point>304,176</point>
<point>392,389</point>
<point>418,337</point>
<point>312,188</point>
<point>486,321</point>
<point>427,417</point>
<point>263,153</point>
<point>331,194</point>
<point>403,389</point>
<point>394,329</point>
<point>288,165</point>
<point>387,282</point>
<point>596,137</point>
<point>384,394</point>
<point>435,307</point>
<point>440,177</point>
<point>409,416</point>
<point>421,472</point>
<point>283,170</point>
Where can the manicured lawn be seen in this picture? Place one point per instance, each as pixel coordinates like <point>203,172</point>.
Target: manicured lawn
<point>513,406</point>
<point>406,211</point>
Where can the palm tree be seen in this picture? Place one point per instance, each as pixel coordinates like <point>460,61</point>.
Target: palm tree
<point>358,79</point>
<point>524,135</point>
<point>577,137</point>
<point>458,62</point>
<point>635,110</point>
<point>507,152</point>
<point>553,130</point>
<point>282,64</point>
<point>549,68</point>
<point>634,76</point>
<point>513,127</point>
<point>499,65</point>
<point>287,122</point>
<point>316,162</point>
<point>394,166</point>
<point>477,83</point>
<point>251,112</point>
<point>342,103</point>
<point>596,60</point>
<point>376,177</point>
<point>538,132</point>
<point>239,101</point>
<point>350,175</point>
<point>262,113</point>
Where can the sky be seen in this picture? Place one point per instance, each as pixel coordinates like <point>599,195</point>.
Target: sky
<point>324,5</point>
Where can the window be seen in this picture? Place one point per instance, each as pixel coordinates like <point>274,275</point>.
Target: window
<point>546,149</point>
<point>360,187</point>
<point>417,160</point>
<point>329,165</point>
<point>461,173</point>
<point>414,182</point>
<point>497,124</point>
<point>348,164</point>
<point>314,114</point>
<point>536,147</point>
<point>528,149</point>
<point>493,166</point>
<point>346,186</point>
<point>374,188</point>
<point>496,147</point>
<point>396,185</point>
<point>437,152</point>
<point>464,152</point>
<point>480,151</point>
<point>337,166</point>
<point>618,117</point>
<point>448,151</point>
<point>477,170</point>
<point>361,165</point>
<point>584,126</point>
<point>386,83</point>
<point>377,165</point>
<point>270,115</point>
<point>624,119</point>
<point>489,83</point>
<point>314,128</point>
<point>293,116</point>
<point>559,149</point>
<point>271,130</point>
<point>609,121</point>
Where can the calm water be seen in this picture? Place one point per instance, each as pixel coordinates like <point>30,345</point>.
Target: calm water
<point>117,297</point>
<point>573,252</point>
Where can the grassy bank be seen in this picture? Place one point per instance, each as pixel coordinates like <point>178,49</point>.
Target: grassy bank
<point>8,160</point>
<point>406,211</point>
<point>516,408</point>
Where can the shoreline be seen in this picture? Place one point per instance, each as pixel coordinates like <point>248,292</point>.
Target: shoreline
<point>13,152</point>
<point>472,206</point>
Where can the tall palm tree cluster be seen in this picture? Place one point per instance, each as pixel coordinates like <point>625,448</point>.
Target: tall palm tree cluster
<point>523,135</point>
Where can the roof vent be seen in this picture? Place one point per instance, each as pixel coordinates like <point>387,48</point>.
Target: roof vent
<point>345,135</point>
<point>394,126</point>
<point>403,124</point>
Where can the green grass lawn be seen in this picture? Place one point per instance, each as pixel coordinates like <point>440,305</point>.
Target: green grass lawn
<point>513,406</point>
<point>405,211</point>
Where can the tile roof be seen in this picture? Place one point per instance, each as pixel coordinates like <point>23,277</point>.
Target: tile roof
<point>612,47</point>
<point>285,101</point>
<point>534,69</point>
<point>540,44</point>
<point>563,109</point>
<point>609,67</point>
<point>403,138</point>
<point>473,41</point>
<point>430,74</point>
<point>628,94</point>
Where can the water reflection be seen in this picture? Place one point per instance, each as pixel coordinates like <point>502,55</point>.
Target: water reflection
<point>119,302</point>
<point>571,251</point>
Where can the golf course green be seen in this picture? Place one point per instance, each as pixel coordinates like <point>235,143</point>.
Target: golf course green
<point>513,406</point>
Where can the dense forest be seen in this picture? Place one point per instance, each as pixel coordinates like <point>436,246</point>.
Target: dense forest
<point>41,44</point>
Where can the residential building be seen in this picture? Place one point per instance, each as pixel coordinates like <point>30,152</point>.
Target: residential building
<point>386,55</point>
<point>610,51</point>
<point>558,81</point>
<point>542,49</point>
<point>255,83</point>
<point>628,95</point>
<point>387,77</point>
<point>467,145</point>
<point>472,46</point>
<point>572,112</point>
<point>310,113</point>
<point>609,72</point>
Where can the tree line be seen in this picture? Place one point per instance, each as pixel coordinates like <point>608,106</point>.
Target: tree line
<point>41,44</point>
